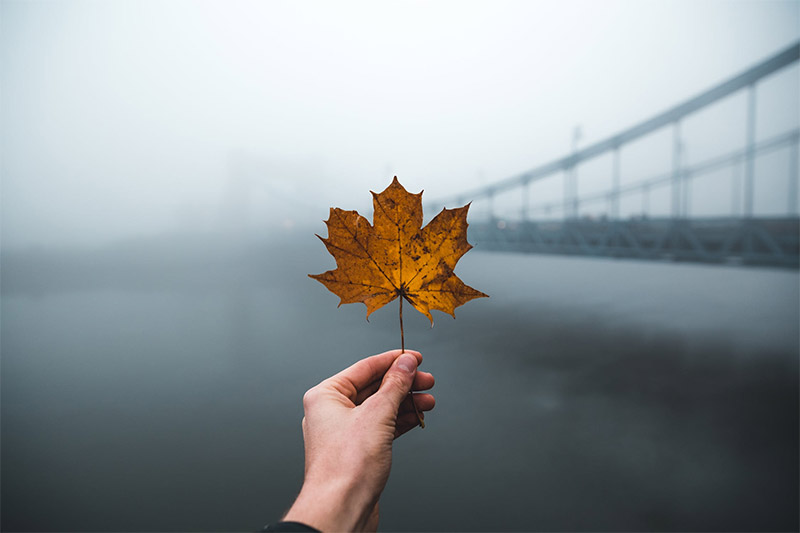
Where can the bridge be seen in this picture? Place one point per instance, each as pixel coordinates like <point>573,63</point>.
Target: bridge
<point>565,225</point>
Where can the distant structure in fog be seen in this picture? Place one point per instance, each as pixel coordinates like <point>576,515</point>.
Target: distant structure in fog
<point>740,237</point>
<point>237,199</point>
<point>263,194</point>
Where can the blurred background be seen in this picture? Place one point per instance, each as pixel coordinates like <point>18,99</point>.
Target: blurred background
<point>165,166</point>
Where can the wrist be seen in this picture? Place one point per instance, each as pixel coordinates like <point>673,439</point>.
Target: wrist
<point>332,505</point>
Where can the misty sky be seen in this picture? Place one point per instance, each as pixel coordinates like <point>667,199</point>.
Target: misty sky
<point>133,118</point>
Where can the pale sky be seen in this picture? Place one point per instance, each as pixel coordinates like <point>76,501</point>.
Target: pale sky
<point>132,118</point>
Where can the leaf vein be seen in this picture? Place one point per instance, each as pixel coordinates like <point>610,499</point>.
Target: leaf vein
<point>365,250</point>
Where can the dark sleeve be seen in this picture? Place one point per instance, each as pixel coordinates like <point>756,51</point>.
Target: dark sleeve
<point>290,526</point>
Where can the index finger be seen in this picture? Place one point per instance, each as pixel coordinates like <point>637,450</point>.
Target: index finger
<point>369,370</point>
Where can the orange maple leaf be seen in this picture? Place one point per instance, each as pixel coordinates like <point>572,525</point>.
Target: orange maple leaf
<point>396,257</point>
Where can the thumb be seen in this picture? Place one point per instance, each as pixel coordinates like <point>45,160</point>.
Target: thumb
<point>397,381</point>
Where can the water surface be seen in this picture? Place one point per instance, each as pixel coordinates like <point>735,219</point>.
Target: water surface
<point>157,386</point>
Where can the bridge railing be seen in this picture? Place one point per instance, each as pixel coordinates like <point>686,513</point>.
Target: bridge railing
<point>732,160</point>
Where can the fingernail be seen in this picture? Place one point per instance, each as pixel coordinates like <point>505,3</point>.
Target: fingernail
<point>407,363</point>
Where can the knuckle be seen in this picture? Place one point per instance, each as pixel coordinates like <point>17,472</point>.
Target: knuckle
<point>310,398</point>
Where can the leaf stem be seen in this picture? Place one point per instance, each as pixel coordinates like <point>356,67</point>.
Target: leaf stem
<point>402,350</point>
<point>402,335</point>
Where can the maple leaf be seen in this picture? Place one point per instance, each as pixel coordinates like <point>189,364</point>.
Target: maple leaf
<point>396,257</point>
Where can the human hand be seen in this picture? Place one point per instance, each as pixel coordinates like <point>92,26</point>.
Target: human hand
<point>351,420</point>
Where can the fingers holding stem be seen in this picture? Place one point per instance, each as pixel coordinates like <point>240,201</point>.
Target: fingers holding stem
<point>408,417</point>
<point>420,418</point>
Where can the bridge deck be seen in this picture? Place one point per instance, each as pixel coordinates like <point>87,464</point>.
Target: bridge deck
<point>773,242</point>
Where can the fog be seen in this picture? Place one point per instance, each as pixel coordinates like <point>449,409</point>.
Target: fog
<point>165,166</point>
<point>123,119</point>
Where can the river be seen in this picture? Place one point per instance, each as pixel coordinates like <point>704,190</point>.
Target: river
<point>157,386</point>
